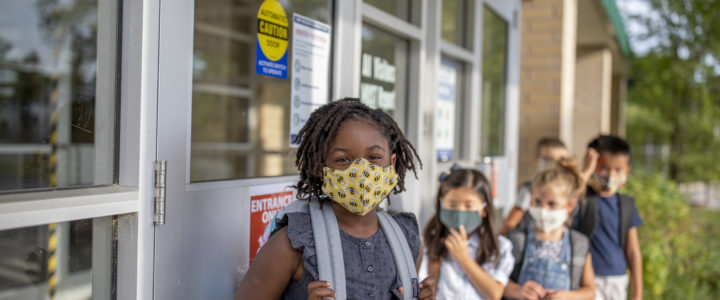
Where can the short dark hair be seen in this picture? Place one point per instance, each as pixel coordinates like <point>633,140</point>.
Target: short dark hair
<point>549,142</point>
<point>610,143</point>
<point>321,128</point>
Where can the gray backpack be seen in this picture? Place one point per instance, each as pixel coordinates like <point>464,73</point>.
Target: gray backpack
<point>326,234</point>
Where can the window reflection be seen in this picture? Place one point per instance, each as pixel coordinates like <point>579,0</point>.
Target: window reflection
<point>455,26</point>
<point>48,79</point>
<point>383,72</point>
<point>240,120</point>
<point>495,38</point>
<point>48,260</point>
<point>398,8</point>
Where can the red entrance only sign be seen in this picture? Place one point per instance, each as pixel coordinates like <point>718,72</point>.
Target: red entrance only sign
<point>263,207</point>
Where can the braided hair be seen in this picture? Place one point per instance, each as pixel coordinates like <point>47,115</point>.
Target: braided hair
<point>322,126</point>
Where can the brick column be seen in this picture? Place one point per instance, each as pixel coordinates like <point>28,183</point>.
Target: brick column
<point>593,96</point>
<point>547,75</point>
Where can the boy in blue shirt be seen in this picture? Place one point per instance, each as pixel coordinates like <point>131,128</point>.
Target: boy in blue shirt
<point>610,220</point>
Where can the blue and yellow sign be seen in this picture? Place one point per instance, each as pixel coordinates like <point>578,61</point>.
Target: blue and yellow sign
<point>272,40</point>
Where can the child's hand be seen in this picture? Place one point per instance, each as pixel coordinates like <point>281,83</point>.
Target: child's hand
<point>589,163</point>
<point>427,292</point>
<point>557,295</point>
<point>533,291</point>
<point>319,290</point>
<point>457,245</point>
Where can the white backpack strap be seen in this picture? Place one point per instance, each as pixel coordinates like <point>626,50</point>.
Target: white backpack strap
<point>328,248</point>
<point>401,252</point>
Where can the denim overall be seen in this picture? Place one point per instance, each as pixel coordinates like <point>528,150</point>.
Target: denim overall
<point>550,274</point>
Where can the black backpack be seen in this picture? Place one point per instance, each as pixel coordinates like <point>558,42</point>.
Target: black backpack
<point>589,217</point>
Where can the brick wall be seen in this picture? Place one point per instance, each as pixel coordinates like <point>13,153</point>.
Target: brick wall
<point>541,76</point>
<point>593,84</point>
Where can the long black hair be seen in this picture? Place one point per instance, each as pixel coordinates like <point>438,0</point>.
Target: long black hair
<point>321,128</point>
<point>436,232</point>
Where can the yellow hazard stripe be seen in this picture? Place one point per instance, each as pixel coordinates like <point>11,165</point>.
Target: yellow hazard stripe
<point>52,263</point>
<point>53,282</point>
<point>52,260</point>
<point>52,242</point>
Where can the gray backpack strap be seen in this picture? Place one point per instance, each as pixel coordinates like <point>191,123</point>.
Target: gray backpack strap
<point>297,206</point>
<point>627,210</point>
<point>326,233</point>
<point>401,252</point>
<point>280,219</point>
<point>517,237</point>
<point>579,247</point>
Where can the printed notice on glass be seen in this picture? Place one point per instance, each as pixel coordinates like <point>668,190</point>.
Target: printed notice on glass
<point>272,40</point>
<point>310,64</point>
<point>445,111</point>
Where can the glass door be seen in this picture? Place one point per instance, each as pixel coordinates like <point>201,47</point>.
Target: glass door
<point>227,109</point>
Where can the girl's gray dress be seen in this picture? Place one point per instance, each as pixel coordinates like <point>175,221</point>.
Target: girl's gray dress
<point>369,264</point>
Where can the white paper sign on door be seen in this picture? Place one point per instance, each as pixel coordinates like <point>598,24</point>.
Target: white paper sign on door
<point>445,110</point>
<point>310,62</point>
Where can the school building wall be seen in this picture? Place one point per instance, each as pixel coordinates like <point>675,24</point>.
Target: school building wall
<point>572,76</point>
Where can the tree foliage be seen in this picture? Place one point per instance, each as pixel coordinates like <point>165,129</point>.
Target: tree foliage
<point>678,244</point>
<point>673,99</point>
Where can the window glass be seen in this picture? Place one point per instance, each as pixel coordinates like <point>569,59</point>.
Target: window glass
<point>398,8</point>
<point>495,38</point>
<point>240,119</point>
<point>51,89</point>
<point>56,259</point>
<point>455,27</point>
<point>383,72</point>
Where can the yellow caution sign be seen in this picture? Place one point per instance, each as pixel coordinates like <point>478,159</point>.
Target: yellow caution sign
<point>272,40</point>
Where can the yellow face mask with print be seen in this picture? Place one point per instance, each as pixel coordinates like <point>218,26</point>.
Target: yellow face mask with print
<point>360,187</point>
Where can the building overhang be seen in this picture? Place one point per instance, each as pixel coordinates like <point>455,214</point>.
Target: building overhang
<point>601,26</point>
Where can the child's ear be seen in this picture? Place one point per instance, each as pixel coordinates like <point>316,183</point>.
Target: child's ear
<point>572,203</point>
<point>392,158</point>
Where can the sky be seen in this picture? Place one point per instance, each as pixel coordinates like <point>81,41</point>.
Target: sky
<point>633,28</point>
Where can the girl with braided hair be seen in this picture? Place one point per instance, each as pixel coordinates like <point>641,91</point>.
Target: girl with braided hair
<point>350,157</point>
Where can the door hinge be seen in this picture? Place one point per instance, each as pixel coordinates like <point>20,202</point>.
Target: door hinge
<point>159,192</point>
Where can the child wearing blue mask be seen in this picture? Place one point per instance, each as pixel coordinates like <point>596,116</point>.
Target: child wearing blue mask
<point>462,246</point>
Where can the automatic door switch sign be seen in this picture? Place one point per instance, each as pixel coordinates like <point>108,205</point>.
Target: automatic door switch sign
<point>272,40</point>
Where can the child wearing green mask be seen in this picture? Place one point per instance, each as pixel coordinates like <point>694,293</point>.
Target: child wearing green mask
<point>610,219</point>
<point>462,246</point>
<point>350,158</point>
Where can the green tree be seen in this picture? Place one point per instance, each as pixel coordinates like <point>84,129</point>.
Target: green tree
<point>678,244</point>
<point>673,99</point>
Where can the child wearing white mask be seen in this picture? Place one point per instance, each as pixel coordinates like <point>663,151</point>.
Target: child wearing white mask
<point>551,260</point>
